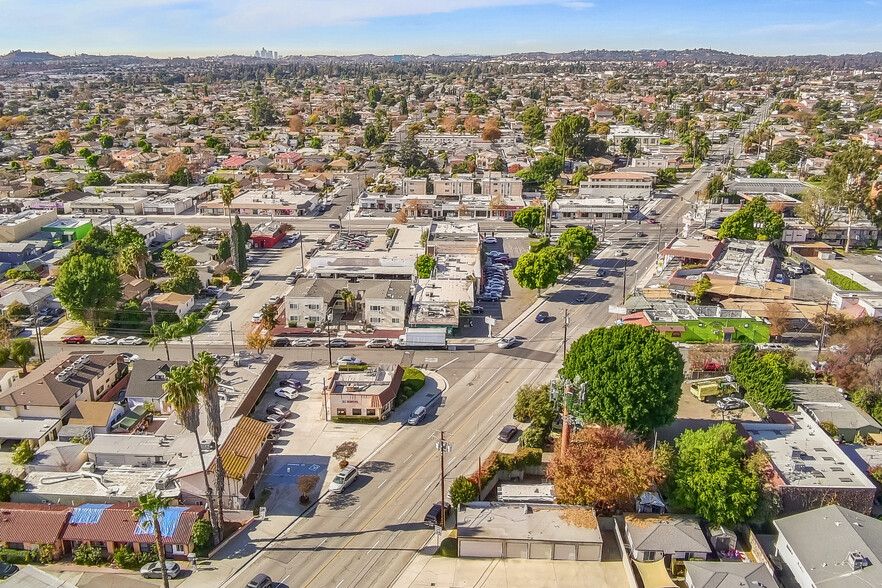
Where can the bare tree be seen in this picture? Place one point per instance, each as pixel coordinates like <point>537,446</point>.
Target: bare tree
<point>819,209</point>
<point>779,319</point>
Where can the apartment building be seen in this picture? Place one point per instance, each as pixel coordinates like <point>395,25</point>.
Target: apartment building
<point>495,184</point>
<point>625,185</point>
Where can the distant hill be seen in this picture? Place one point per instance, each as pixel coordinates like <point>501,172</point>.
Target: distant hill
<point>18,56</point>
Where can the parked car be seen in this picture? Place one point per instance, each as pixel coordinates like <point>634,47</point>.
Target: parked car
<point>507,342</point>
<point>507,433</point>
<point>488,298</point>
<point>290,280</point>
<point>131,340</point>
<point>490,240</point>
<point>349,360</point>
<point>279,410</point>
<point>154,570</point>
<point>275,420</point>
<point>286,392</point>
<point>338,342</point>
<point>274,300</point>
<point>103,340</point>
<point>477,310</point>
<point>302,342</point>
<point>260,581</point>
<point>256,317</point>
<point>281,342</point>
<point>771,347</point>
<point>378,342</point>
<point>433,517</point>
<point>730,403</point>
<point>417,415</point>
<point>541,317</point>
<point>74,339</point>
<point>346,477</point>
<point>291,383</point>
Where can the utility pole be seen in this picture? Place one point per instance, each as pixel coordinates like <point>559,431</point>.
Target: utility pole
<point>329,318</point>
<point>624,279</point>
<point>823,330</point>
<point>232,342</point>
<point>566,322</point>
<point>443,447</point>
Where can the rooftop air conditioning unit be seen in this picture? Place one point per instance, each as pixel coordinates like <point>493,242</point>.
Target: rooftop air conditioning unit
<point>857,561</point>
<point>88,466</point>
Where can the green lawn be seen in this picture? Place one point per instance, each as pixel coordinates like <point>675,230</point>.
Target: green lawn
<point>711,331</point>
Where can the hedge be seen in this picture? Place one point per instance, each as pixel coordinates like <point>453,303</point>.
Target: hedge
<point>18,556</point>
<point>523,458</point>
<point>411,383</point>
<point>842,282</point>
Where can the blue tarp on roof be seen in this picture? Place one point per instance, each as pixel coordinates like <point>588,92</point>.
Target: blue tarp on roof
<point>87,513</point>
<point>168,522</point>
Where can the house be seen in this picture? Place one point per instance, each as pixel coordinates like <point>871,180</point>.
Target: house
<point>413,186</point>
<point>36,298</point>
<point>134,288</point>
<point>646,141</point>
<point>15,254</point>
<point>234,162</point>
<point>381,303</point>
<point>831,547</point>
<point>726,574</point>
<point>289,161</point>
<point>53,389</point>
<point>809,467</point>
<point>28,526</point>
<point>180,304</point>
<point>364,394</point>
<point>244,448</point>
<point>146,380</point>
<point>551,532</point>
<point>101,416</point>
<point>826,404</point>
<point>655,536</point>
<point>111,526</point>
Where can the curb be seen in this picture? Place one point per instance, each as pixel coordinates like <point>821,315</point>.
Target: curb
<point>230,538</point>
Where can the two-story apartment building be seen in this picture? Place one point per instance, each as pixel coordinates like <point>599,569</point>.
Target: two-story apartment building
<point>646,141</point>
<point>453,186</point>
<point>495,184</point>
<point>625,185</point>
<point>52,389</point>
<point>380,303</point>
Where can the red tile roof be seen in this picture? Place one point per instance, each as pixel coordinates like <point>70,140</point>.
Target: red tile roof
<point>117,524</point>
<point>32,523</point>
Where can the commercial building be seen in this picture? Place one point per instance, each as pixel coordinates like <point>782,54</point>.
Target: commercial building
<point>264,203</point>
<point>625,185</point>
<point>17,227</point>
<point>364,394</point>
<point>68,229</point>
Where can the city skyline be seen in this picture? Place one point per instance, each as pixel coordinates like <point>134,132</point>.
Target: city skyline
<point>197,28</point>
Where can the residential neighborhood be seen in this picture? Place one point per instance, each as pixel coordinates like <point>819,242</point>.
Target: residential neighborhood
<point>605,318</point>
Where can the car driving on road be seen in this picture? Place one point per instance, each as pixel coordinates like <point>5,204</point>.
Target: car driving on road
<point>346,477</point>
<point>541,317</point>
<point>507,342</point>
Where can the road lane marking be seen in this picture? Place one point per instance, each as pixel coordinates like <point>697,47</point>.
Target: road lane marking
<point>383,482</point>
<point>408,459</point>
<point>372,548</point>
<point>353,512</point>
<point>320,544</point>
<point>403,513</point>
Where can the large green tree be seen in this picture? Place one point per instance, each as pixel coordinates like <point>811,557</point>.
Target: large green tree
<point>97,178</point>
<point>87,285</point>
<point>530,218</point>
<point>633,374</point>
<point>536,271</point>
<point>851,175</point>
<point>571,138</point>
<point>578,243</point>
<point>533,119</point>
<point>712,477</point>
<point>754,221</point>
<point>548,167</point>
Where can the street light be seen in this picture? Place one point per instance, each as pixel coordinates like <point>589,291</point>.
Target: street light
<point>443,447</point>
<point>328,320</point>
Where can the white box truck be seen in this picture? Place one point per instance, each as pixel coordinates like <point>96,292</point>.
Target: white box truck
<point>422,339</point>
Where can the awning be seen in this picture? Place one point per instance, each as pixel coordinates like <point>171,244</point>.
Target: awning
<point>654,574</point>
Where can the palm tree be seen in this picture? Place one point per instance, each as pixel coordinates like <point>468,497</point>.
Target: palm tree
<point>700,145</point>
<point>163,333</point>
<point>187,327</point>
<point>208,377</point>
<point>181,393</point>
<point>132,259</point>
<point>152,506</point>
<point>226,196</point>
<point>347,297</point>
<point>550,187</point>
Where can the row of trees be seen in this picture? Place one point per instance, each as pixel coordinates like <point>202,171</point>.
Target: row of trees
<point>544,264</point>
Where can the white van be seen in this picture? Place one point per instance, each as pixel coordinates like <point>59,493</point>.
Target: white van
<point>417,415</point>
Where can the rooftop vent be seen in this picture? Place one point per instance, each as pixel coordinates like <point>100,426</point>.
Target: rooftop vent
<point>857,561</point>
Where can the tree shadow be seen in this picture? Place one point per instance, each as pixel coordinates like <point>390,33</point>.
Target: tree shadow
<point>375,467</point>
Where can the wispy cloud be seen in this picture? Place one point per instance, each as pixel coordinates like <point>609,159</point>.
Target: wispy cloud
<point>577,5</point>
<point>801,27</point>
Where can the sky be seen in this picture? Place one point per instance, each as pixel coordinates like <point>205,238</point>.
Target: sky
<point>196,28</point>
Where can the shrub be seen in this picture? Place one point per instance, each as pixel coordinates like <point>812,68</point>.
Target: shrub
<point>292,324</point>
<point>830,428</point>
<point>8,485</point>
<point>310,324</point>
<point>86,555</point>
<point>46,553</point>
<point>535,436</point>
<point>23,453</point>
<point>463,490</point>
<point>126,558</point>
<point>842,282</point>
<point>18,556</point>
<point>412,381</point>
<point>202,534</point>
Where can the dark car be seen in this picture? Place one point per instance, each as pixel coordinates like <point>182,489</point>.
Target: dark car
<point>74,339</point>
<point>281,342</point>
<point>582,297</point>
<point>7,570</point>
<point>540,318</point>
<point>570,226</point>
<point>260,581</point>
<point>296,384</point>
<point>334,225</point>
<point>477,310</point>
<point>433,517</point>
<point>507,433</point>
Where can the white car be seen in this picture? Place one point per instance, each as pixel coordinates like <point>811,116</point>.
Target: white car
<point>130,341</point>
<point>290,280</point>
<point>506,342</point>
<point>302,342</point>
<point>286,392</point>
<point>490,240</point>
<point>878,257</point>
<point>346,476</point>
<point>248,282</point>
<point>349,360</point>
<point>275,420</point>
<point>103,340</point>
<point>273,300</point>
<point>256,317</point>
<point>215,314</point>
<point>378,342</point>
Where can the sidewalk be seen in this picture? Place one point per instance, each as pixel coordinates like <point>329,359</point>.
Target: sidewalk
<point>318,438</point>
